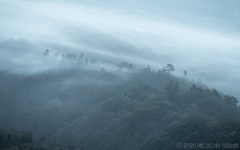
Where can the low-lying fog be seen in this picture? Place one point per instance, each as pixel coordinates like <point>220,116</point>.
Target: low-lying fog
<point>200,36</point>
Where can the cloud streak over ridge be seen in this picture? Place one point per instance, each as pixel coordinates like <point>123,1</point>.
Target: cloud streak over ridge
<point>201,37</point>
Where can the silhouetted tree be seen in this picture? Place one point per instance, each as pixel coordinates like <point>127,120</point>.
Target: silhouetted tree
<point>125,65</point>
<point>185,73</point>
<point>170,68</point>
<point>46,52</point>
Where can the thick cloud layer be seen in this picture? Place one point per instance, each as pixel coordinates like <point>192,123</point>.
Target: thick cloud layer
<point>199,36</point>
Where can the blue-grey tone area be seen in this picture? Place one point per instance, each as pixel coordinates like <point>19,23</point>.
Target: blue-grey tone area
<point>119,74</point>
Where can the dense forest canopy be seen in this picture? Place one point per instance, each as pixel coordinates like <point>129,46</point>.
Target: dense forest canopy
<point>87,106</point>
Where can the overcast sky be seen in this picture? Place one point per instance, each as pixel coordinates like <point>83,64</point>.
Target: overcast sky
<point>200,36</point>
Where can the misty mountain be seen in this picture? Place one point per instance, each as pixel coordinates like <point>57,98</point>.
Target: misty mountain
<point>121,75</point>
<point>79,107</point>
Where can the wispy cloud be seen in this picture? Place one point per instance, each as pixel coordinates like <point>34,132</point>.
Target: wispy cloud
<point>201,36</point>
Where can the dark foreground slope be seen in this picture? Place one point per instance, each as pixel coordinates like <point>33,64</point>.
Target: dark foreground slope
<point>22,140</point>
<point>125,109</point>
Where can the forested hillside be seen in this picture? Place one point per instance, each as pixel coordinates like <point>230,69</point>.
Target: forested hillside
<point>83,105</point>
